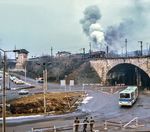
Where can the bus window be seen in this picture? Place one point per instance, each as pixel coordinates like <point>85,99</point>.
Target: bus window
<point>124,95</point>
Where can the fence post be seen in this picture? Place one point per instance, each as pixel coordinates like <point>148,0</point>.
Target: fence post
<point>105,125</point>
<point>54,128</point>
<point>136,122</point>
<point>73,127</point>
<point>111,90</point>
<point>121,123</point>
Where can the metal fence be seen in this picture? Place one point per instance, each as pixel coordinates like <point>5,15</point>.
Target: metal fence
<point>106,125</point>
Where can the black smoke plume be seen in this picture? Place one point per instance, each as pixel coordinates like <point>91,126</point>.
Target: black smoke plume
<point>114,33</point>
<point>91,15</point>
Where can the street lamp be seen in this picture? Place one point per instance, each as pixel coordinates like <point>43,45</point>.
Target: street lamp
<point>4,88</point>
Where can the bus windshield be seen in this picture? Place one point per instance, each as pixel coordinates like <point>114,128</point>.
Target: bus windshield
<point>124,95</point>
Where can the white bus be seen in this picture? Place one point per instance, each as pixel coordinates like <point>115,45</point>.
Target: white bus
<point>128,96</point>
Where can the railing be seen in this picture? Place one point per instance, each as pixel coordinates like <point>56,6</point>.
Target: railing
<point>42,129</point>
<point>107,123</point>
<point>134,119</point>
<point>51,129</point>
<point>112,123</point>
<point>59,128</point>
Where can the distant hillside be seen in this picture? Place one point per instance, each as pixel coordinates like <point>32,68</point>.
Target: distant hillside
<point>59,68</point>
<point>84,74</point>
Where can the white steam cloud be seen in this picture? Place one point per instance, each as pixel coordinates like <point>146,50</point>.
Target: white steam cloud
<point>114,36</point>
<point>96,35</point>
<point>91,27</point>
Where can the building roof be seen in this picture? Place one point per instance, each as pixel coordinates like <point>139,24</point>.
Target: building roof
<point>23,51</point>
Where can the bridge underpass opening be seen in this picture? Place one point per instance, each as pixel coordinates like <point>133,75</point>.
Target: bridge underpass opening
<point>128,74</point>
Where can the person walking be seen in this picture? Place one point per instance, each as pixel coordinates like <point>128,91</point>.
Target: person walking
<point>85,122</point>
<point>91,124</point>
<point>76,124</point>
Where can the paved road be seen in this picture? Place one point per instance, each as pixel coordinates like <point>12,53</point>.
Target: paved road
<point>102,106</point>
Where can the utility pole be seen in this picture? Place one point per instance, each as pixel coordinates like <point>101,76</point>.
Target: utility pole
<point>90,49</point>
<point>149,50</point>
<point>4,94</point>
<point>122,51</point>
<point>83,53</point>
<point>107,50</point>
<point>146,48</point>
<point>25,72</point>
<point>126,41</point>
<point>51,51</point>
<point>141,42</point>
<point>45,87</point>
<point>15,53</point>
<point>137,76</point>
<point>4,89</point>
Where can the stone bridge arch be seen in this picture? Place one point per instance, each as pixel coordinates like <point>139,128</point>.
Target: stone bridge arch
<point>127,73</point>
<point>103,66</point>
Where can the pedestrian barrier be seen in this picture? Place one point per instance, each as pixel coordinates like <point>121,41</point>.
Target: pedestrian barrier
<point>58,128</point>
<point>72,127</point>
<point>42,129</point>
<point>134,119</point>
<point>112,123</point>
<point>51,129</point>
<point>81,124</point>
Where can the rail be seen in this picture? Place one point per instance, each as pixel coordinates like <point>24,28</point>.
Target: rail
<point>59,128</point>
<point>41,129</point>
<point>134,119</point>
<point>72,127</point>
<point>112,123</point>
<point>51,129</point>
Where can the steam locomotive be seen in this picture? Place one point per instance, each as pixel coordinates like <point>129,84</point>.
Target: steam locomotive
<point>96,54</point>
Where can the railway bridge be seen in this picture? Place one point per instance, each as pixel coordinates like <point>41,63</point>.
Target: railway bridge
<point>104,65</point>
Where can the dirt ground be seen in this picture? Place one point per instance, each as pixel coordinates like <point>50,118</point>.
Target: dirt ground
<point>56,103</point>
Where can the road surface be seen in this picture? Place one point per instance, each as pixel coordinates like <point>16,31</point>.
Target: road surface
<point>101,105</point>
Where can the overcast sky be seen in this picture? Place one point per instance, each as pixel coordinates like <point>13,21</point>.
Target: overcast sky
<point>36,25</point>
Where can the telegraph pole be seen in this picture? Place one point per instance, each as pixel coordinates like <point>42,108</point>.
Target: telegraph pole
<point>141,42</point>
<point>122,51</point>
<point>107,50</point>
<point>4,94</point>
<point>51,51</point>
<point>90,49</point>
<point>149,50</point>
<point>4,89</point>
<point>15,53</point>
<point>45,87</point>
<point>126,41</point>
<point>83,53</point>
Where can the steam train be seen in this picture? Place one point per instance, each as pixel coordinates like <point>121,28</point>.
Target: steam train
<point>96,54</point>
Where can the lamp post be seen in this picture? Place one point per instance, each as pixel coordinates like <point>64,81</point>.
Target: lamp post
<point>65,83</point>
<point>25,73</point>
<point>4,89</point>
<point>45,87</point>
